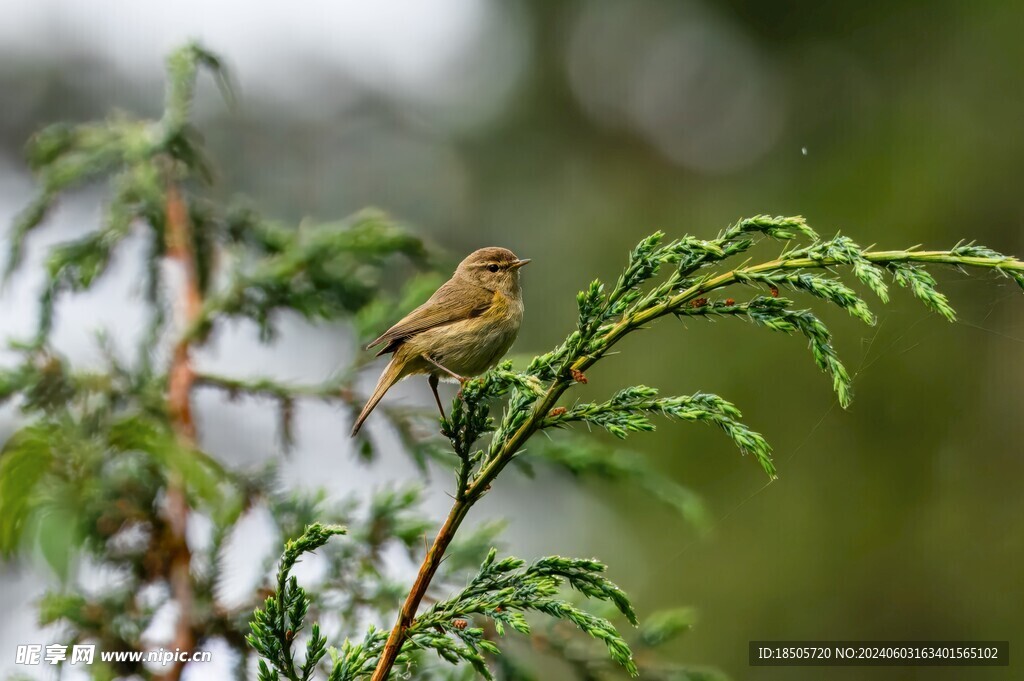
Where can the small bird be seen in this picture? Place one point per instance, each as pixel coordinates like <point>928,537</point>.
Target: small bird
<point>462,330</point>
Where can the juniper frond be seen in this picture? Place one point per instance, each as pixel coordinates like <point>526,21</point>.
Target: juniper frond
<point>357,660</point>
<point>464,645</point>
<point>825,288</point>
<point>923,285</point>
<point>274,627</point>
<point>780,228</point>
<point>504,590</point>
<point>628,410</point>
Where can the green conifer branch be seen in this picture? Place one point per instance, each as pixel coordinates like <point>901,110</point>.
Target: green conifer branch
<point>606,318</point>
<point>275,626</point>
<point>627,411</point>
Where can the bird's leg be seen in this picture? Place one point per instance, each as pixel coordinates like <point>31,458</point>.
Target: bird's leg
<point>460,379</point>
<point>432,380</point>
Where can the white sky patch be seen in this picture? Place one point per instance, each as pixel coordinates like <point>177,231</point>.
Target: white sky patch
<point>403,43</point>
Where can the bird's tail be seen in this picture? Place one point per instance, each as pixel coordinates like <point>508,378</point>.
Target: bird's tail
<point>392,372</point>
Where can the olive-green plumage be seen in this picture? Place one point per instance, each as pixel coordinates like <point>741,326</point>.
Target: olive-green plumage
<point>463,330</point>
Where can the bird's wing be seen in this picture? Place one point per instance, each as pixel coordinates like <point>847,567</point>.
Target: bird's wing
<point>450,303</point>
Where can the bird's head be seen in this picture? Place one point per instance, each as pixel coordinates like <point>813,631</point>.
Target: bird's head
<point>493,268</point>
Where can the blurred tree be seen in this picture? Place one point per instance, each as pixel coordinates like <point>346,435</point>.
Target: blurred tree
<point>109,463</point>
<point>109,467</point>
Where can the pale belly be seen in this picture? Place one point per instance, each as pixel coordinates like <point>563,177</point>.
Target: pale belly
<point>468,347</point>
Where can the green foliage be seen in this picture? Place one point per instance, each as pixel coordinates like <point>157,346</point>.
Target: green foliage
<point>357,660</point>
<point>321,272</point>
<point>496,596</point>
<point>26,459</point>
<point>201,473</point>
<point>627,411</point>
<point>140,157</point>
<point>502,591</point>
<point>275,626</point>
<point>923,285</point>
<point>776,314</point>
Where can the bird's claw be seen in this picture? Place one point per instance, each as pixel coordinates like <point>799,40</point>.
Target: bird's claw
<point>462,384</point>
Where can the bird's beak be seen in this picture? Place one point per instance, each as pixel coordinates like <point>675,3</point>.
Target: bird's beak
<point>519,263</point>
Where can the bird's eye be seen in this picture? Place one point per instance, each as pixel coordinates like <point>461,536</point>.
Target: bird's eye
<point>492,268</point>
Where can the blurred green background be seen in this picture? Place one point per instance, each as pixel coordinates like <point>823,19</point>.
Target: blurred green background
<point>566,131</point>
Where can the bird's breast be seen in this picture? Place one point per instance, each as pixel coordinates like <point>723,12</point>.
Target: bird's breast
<point>505,308</point>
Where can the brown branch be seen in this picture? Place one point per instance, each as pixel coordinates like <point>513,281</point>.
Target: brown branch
<point>459,511</point>
<point>431,562</point>
<point>180,380</point>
